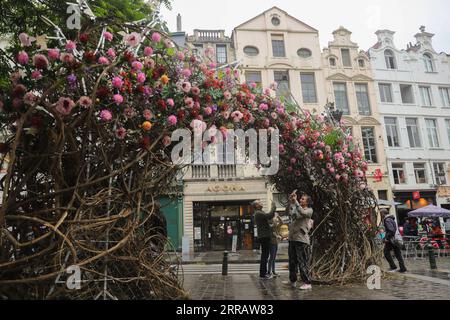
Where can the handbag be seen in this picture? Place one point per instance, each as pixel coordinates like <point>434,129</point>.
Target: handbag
<point>398,239</point>
<point>310,224</point>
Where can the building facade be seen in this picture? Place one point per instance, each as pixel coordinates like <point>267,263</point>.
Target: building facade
<point>413,92</point>
<point>212,45</point>
<point>349,84</point>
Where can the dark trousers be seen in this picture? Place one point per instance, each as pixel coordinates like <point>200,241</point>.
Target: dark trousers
<point>388,247</point>
<point>265,251</point>
<point>299,260</point>
<point>272,257</point>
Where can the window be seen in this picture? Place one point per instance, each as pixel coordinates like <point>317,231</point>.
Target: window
<point>420,173</point>
<point>332,62</point>
<point>428,60</point>
<point>340,97</point>
<point>432,132</point>
<point>278,46</point>
<point>370,151</point>
<point>439,173</point>
<point>447,124</point>
<point>282,79</point>
<point>398,172</point>
<point>445,96</point>
<point>221,53</point>
<point>304,53</point>
<point>308,87</point>
<point>390,59</point>
<point>253,77</point>
<point>413,133</point>
<point>362,97</point>
<point>346,60</point>
<point>386,92</point>
<point>406,91</point>
<point>392,132</point>
<point>251,51</point>
<point>361,63</point>
<point>425,93</point>
<point>276,21</point>
<point>382,195</point>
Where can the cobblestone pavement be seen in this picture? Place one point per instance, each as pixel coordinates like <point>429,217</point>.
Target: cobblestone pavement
<point>418,284</point>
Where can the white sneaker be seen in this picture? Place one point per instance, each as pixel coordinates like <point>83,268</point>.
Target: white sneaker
<point>306,287</point>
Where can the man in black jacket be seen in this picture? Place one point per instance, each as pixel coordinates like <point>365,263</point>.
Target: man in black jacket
<point>390,244</point>
<point>264,235</point>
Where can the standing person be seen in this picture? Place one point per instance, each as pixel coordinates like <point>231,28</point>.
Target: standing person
<point>264,235</point>
<point>390,244</point>
<point>299,242</point>
<point>274,241</point>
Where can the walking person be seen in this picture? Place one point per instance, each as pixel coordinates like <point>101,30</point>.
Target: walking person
<point>274,241</point>
<point>299,242</point>
<point>390,243</point>
<point>264,235</point>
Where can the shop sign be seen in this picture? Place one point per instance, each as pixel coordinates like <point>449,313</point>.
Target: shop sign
<point>234,244</point>
<point>416,195</point>
<point>197,233</point>
<point>225,188</point>
<point>378,175</point>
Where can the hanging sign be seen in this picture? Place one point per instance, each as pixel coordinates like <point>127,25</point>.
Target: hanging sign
<point>234,244</point>
<point>378,175</point>
<point>416,195</point>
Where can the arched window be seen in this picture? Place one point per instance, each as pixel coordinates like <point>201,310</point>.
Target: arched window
<point>332,62</point>
<point>390,59</point>
<point>428,60</point>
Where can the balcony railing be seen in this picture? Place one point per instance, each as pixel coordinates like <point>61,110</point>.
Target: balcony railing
<point>226,171</point>
<point>201,172</point>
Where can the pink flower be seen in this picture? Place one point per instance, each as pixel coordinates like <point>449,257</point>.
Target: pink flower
<point>274,115</point>
<point>253,85</point>
<point>111,53</point>
<point>103,60</point>
<point>225,114</point>
<point>290,169</point>
<point>293,161</point>
<point>195,91</point>
<point>208,111</point>
<point>338,177</point>
<point>30,98</point>
<point>170,102</point>
<point>65,106</point>
<point>168,43</point>
<point>108,36</point>
<point>148,51</point>
<point>227,95</point>
<point>137,65</point>
<point>53,54</point>
<point>150,63</point>
<point>22,58</point>
<point>186,72</point>
<point>26,40</point>
<point>186,86</point>
<point>180,56</point>
<point>172,120</point>
<point>167,141</point>
<point>66,57</point>
<point>332,170</point>
<point>141,77</point>
<point>132,39</point>
<point>267,91</point>
<point>209,52</point>
<point>263,107</point>
<point>148,115</point>
<point>121,133</point>
<point>189,102</point>
<point>237,116</point>
<point>302,138</point>
<point>156,37</point>
<point>40,61</point>
<point>70,46</point>
<point>118,99</point>
<point>36,74</point>
<point>117,82</point>
<point>105,115</point>
<point>85,102</point>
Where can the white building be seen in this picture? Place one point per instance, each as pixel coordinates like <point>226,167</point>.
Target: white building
<point>414,102</point>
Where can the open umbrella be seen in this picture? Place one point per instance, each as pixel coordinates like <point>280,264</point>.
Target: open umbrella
<point>430,212</point>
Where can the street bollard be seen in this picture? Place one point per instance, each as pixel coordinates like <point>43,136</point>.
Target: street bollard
<point>431,257</point>
<point>225,263</point>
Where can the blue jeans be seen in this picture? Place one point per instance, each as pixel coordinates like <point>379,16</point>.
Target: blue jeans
<point>272,256</point>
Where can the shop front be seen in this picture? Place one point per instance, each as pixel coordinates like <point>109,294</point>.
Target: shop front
<point>412,200</point>
<point>217,215</point>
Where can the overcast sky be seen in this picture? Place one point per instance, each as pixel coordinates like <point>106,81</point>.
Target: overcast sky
<point>362,17</point>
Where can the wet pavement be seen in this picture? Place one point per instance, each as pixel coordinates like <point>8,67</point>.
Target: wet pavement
<point>419,284</point>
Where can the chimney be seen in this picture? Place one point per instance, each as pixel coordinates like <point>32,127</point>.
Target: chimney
<point>179,27</point>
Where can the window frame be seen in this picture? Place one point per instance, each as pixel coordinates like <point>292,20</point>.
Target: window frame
<point>411,133</point>
<point>432,143</point>
<point>278,93</point>
<point>346,111</point>
<point>251,54</point>
<point>372,150</point>
<point>436,173</point>
<point>254,72</point>
<point>367,112</point>
<point>416,170</point>
<point>382,92</point>
<point>221,46</point>
<point>399,175</point>
<point>344,57</point>
<point>390,60</point>
<point>429,94</point>
<point>308,89</point>
<point>278,46</point>
<point>429,63</point>
<point>412,93</point>
<point>444,92</point>
<point>390,128</point>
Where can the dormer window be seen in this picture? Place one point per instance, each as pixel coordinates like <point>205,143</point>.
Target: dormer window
<point>390,59</point>
<point>428,60</point>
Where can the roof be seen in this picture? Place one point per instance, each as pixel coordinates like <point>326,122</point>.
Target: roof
<point>275,7</point>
